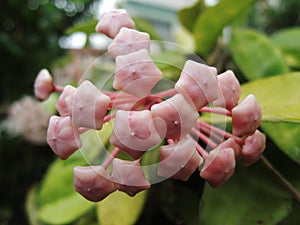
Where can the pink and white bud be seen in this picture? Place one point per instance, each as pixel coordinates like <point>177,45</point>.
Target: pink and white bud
<point>230,143</point>
<point>43,85</point>
<point>230,90</point>
<point>179,160</point>
<point>176,116</point>
<point>111,22</point>
<point>246,116</point>
<point>65,101</point>
<point>253,148</point>
<point>134,132</point>
<point>62,136</point>
<point>93,182</point>
<point>219,166</point>
<point>90,106</point>
<point>198,83</point>
<point>129,176</point>
<point>128,41</point>
<point>136,73</point>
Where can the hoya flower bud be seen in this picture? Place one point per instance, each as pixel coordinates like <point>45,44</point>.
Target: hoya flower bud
<point>179,160</point>
<point>253,147</point>
<point>129,177</point>
<point>43,85</point>
<point>198,82</point>
<point>64,104</point>
<point>177,115</point>
<point>230,90</point>
<point>134,132</point>
<point>230,143</point>
<point>246,116</point>
<point>93,182</point>
<point>62,136</point>
<point>111,22</point>
<point>219,166</point>
<point>128,41</point>
<point>136,73</point>
<point>89,107</point>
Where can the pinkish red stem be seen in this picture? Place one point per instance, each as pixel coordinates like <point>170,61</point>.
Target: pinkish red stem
<point>111,157</point>
<point>166,93</point>
<point>204,138</point>
<point>219,111</point>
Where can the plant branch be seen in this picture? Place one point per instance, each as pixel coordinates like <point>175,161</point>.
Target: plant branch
<point>284,182</point>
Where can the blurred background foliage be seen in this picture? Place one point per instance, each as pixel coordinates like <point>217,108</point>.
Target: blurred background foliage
<point>256,39</point>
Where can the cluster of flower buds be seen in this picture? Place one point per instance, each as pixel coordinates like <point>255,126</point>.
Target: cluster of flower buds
<point>169,120</point>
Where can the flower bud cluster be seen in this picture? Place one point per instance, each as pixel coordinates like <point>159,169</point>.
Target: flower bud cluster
<point>167,120</point>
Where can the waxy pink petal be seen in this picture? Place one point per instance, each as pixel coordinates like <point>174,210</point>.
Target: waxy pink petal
<point>198,83</point>
<point>128,41</point>
<point>111,22</point>
<point>179,160</point>
<point>136,73</point>
<point>230,143</point>
<point>176,116</point>
<point>43,85</point>
<point>90,106</point>
<point>64,103</point>
<point>62,136</point>
<point>134,132</point>
<point>253,148</point>
<point>129,176</point>
<point>219,166</point>
<point>246,116</point>
<point>230,90</point>
<point>93,182</point>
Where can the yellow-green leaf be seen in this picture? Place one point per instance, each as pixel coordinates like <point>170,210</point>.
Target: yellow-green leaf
<point>118,208</point>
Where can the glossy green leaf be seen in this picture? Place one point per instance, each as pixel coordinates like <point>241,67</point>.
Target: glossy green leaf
<point>31,206</point>
<point>210,23</point>
<point>119,208</point>
<point>279,97</point>
<point>144,26</point>
<point>250,197</point>
<point>188,16</point>
<point>65,210</point>
<point>288,40</point>
<point>86,27</point>
<point>256,55</point>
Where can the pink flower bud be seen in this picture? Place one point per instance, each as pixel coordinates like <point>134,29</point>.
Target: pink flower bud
<point>179,160</point>
<point>129,176</point>
<point>111,22</point>
<point>64,104</point>
<point>230,90</point>
<point>89,107</point>
<point>246,116</point>
<point>62,136</point>
<point>230,143</point>
<point>93,182</point>
<point>219,166</point>
<point>134,132</point>
<point>198,83</point>
<point>176,115</point>
<point>43,85</point>
<point>253,147</point>
<point>128,41</point>
<point>136,73</point>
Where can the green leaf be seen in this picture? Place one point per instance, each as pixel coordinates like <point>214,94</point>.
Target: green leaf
<point>286,137</point>
<point>65,210</point>
<point>31,206</point>
<point>144,26</point>
<point>250,197</point>
<point>119,208</point>
<point>187,16</point>
<point>279,97</point>
<point>86,27</point>
<point>209,25</point>
<point>288,41</point>
<point>256,55</point>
